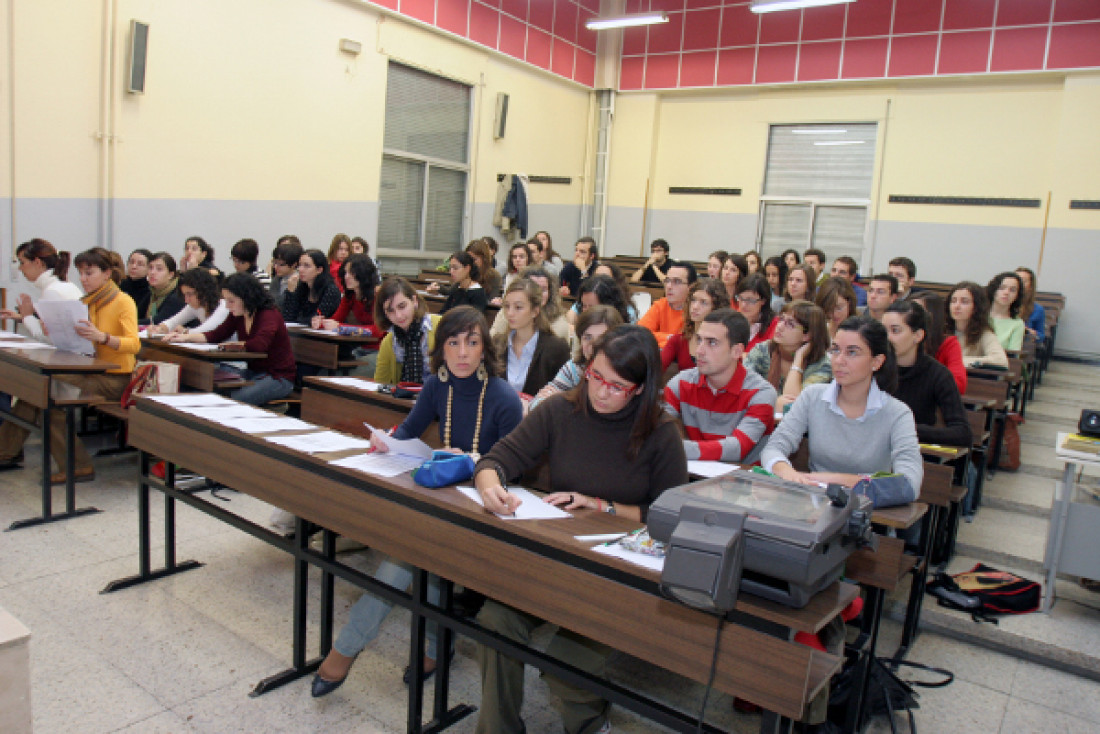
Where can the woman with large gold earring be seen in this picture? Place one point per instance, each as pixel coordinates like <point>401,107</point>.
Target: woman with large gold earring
<point>474,410</point>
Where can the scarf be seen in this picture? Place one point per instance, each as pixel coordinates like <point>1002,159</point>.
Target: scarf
<point>408,342</point>
<point>99,298</point>
<point>158,295</point>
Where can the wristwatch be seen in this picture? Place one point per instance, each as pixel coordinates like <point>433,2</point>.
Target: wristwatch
<point>610,508</point>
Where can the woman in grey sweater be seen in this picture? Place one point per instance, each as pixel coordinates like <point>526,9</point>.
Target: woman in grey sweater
<point>855,428</point>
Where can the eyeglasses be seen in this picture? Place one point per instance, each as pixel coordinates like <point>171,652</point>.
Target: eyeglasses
<point>675,281</point>
<point>612,387</point>
<point>749,301</point>
<point>849,353</point>
<point>790,322</point>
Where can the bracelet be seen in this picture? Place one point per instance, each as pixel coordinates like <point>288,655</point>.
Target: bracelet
<point>796,368</point>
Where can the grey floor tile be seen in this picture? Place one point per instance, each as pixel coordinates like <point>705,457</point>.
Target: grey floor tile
<point>1062,692</point>
<point>1024,717</point>
<point>166,722</point>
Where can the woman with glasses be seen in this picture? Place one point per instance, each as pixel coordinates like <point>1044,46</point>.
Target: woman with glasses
<point>795,357</point>
<point>856,428</point>
<point>754,301</point>
<point>592,324</point>
<point>640,454</point>
<point>705,296</point>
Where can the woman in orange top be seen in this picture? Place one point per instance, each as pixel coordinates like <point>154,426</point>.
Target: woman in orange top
<point>112,328</point>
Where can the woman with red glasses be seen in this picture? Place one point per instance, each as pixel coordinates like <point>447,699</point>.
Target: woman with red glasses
<point>617,409</point>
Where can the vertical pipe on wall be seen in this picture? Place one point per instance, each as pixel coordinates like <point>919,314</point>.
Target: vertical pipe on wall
<point>103,134</point>
<point>868,264</point>
<point>5,272</point>
<point>1043,240</point>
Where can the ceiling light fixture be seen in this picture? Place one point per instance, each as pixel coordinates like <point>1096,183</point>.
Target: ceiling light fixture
<point>772,6</point>
<point>625,21</point>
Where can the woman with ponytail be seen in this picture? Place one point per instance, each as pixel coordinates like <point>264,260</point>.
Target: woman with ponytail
<point>112,328</point>
<point>45,268</point>
<point>856,428</point>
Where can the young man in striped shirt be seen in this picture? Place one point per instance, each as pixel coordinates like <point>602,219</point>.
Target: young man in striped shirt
<point>726,410</point>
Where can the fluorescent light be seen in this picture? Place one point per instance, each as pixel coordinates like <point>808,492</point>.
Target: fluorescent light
<point>625,21</point>
<point>838,142</point>
<point>819,131</point>
<point>772,6</point>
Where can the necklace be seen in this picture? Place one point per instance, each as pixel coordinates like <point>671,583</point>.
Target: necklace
<point>477,424</point>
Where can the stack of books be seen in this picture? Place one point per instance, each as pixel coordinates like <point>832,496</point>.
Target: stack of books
<point>1084,444</point>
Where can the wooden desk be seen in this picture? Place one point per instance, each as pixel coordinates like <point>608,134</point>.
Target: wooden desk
<point>197,366</point>
<point>28,374</point>
<point>444,533</point>
<point>346,409</point>
<point>326,349</point>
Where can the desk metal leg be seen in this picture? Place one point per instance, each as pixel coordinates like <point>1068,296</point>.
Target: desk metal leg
<point>911,627</point>
<point>442,717</point>
<point>871,622</point>
<point>171,567</point>
<point>1058,518</point>
<point>71,510</point>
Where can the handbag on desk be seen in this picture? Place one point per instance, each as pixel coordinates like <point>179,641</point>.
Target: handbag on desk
<point>444,469</point>
<point>150,378</point>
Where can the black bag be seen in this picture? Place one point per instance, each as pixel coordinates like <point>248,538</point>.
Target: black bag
<point>886,692</point>
<point>984,591</point>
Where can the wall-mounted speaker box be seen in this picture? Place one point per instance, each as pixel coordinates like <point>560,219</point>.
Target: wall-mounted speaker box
<point>500,121</point>
<point>139,47</point>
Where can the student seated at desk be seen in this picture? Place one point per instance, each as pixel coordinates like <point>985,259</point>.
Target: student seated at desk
<point>204,304</point>
<point>244,254</point>
<point>754,301</point>
<point>752,259</point>
<point>968,320</point>
<point>775,270</point>
<point>666,317</point>
<point>136,282</point>
<point>924,384</point>
<point>613,271</point>
<point>530,354</point>
<point>112,328</point>
<point>519,258</point>
<point>795,357</point>
<point>734,269</point>
<point>403,355</point>
<point>715,261</point>
<point>611,448</point>
<point>474,411</point>
<point>316,293</point>
<point>837,299</point>
<point>465,290</point>
<point>356,278</point>
<point>943,347</point>
<point>338,251</point>
<point>259,328</point>
<point>591,325</point>
<point>47,270</point>
<point>1031,311</point>
<point>165,299</point>
<point>801,284</point>
<point>551,304</point>
<point>197,253</point>
<point>1005,293</point>
<point>856,428</point>
<point>601,290</point>
<point>725,408</point>
<point>705,295</point>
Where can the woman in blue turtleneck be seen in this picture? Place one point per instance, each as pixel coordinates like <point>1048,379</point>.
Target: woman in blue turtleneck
<point>474,410</point>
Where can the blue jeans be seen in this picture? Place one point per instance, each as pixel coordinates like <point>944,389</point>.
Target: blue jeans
<point>5,403</point>
<point>370,611</point>
<point>264,387</point>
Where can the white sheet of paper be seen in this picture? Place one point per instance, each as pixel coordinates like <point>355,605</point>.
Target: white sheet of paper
<point>274,424</point>
<point>197,347</point>
<point>353,382</point>
<point>11,335</point>
<point>311,330</point>
<point>710,468</point>
<point>639,559</point>
<point>531,507</point>
<point>12,344</point>
<point>207,399</point>
<point>293,323</point>
<point>60,319</point>
<point>225,414</point>
<point>382,465</point>
<point>322,442</point>
<point>406,447</point>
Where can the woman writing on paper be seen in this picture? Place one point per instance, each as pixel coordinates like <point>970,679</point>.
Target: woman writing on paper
<point>42,265</point>
<point>474,410</point>
<point>616,408</point>
<point>204,304</point>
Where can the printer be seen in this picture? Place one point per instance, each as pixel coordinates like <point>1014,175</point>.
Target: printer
<point>772,538</point>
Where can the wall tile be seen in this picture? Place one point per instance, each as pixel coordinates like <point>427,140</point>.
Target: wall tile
<point>1073,46</point>
<point>451,15</point>
<point>420,9</point>
<point>819,24</point>
<point>1023,12</point>
<point>964,53</point>
<point>965,14</point>
<point>865,58</point>
<point>539,46</point>
<point>869,18</point>
<point>661,72</point>
<point>701,29</point>
<point>517,8</point>
<point>739,26</point>
<point>565,20</point>
<point>736,66</point>
<point>484,22</point>
<point>916,16</point>
<point>776,64</point>
<point>913,55</point>
<point>632,72</point>
<point>513,37</point>
<point>562,60</point>
<point>585,71</point>
<point>666,37</point>
<point>779,27</point>
<point>697,69</point>
<point>1018,48</point>
<point>634,40</point>
<point>1069,10</point>
<point>819,61</point>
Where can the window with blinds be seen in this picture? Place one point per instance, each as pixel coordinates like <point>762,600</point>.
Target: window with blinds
<point>817,189</point>
<point>425,162</point>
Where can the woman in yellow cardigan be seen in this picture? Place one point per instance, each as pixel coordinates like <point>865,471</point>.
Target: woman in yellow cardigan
<point>403,353</point>
<point>112,328</point>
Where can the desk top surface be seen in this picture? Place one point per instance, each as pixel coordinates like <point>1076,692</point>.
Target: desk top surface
<point>54,361</point>
<point>207,355</point>
<point>331,336</point>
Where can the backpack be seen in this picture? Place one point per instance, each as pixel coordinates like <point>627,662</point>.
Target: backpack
<point>1010,451</point>
<point>985,591</point>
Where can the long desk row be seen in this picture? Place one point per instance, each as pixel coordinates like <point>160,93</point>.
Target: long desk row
<point>443,533</point>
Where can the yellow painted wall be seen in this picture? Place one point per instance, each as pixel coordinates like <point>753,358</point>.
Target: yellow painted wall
<point>1076,153</point>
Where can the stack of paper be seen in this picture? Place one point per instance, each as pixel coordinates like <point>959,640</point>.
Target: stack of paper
<point>321,442</point>
<point>353,382</point>
<point>380,464</point>
<point>531,506</point>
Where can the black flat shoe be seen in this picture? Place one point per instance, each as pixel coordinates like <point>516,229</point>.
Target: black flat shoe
<point>322,687</point>
<point>15,462</point>
<point>407,677</point>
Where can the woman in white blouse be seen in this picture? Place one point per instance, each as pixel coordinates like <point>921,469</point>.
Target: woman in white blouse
<point>203,304</point>
<point>45,267</point>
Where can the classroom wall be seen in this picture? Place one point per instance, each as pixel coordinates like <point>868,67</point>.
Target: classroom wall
<point>1014,137</point>
<point>253,124</point>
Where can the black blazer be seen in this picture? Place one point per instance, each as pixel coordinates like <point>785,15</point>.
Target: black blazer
<point>550,354</point>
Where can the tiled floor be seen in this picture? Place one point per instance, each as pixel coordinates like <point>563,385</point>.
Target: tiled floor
<point>181,654</point>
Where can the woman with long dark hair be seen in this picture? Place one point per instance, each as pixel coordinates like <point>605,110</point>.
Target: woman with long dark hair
<point>968,320</point>
<point>855,410</point>
<point>1031,311</point>
<point>356,277</point>
<point>1005,293</point>
<point>197,253</point>
<point>203,304</point>
<point>466,288</point>
<point>165,299</point>
<point>530,353</point>
<point>705,295</point>
<point>775,270</point>
<point>616,408</point>
<point>602,290</point>
<point>46,269</point>
<point>754,301</point>
<point>403,353</point>
<point>944,348</point>
<point>317,293</point>
<point>795,357</point>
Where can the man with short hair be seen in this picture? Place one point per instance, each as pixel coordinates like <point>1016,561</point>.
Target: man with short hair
<point>905,270</point>
<point>284,267</point>
<point>882,291</point>
<point>656,267</point>
<point>244,254</point>
<point>666,317</point>
<point>726,410</point>
<point>846,267</point>
<point>585,258</point>
<point>815,258</point>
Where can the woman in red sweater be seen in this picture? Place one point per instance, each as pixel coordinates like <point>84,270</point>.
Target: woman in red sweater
<point>356,277</point>
<point>945,349</point>
<point>705,296</point>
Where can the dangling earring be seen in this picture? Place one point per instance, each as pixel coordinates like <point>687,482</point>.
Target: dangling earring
<point>443,374</point>
<point>482,373</point>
